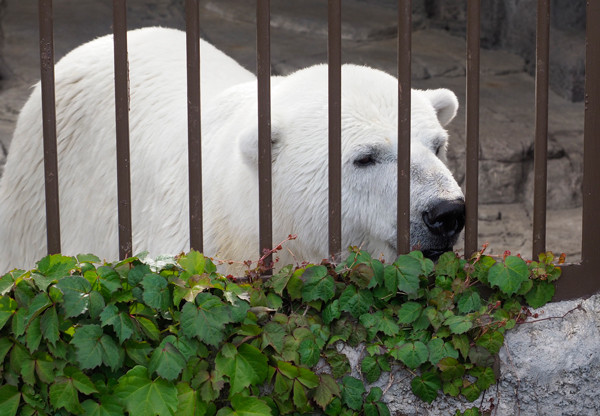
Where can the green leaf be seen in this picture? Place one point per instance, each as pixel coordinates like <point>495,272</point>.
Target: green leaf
<point>79,380</point>
<point>409,312</point>
<point>439,349</point>
<point>370,369</point>
<point>93,347</point>
<point>49,325</point>
<point>331,312</point>
<point>156,293</point>
<point>280,279</point>
<point>357,302</point>
<point>363,275</point>
<point>45,368</point>
<point>299,397</point>
<point>7,308</point>
<point>352,392</point>
<point>338,362</point>
<point>374,395</point>
<point>309,352</point>
<point>10,397</point>
<point>307,377</point>
<point>55,267</point>
<point>403,274</point>
<point>448,265</point>
<point>207,320</point>
<point>190,403</point>
<point>149,328</point>
<point>76,291</point>
<point>426,386</point>
<point>107,407</point>
<point>317,284</point>
<point>34,335</point>
<point>167,361</point>
<point>144,397</point>
<point>326,390</point>
<point>412,354</point>
<point>459,324</point>
<point>469,301</point>
<point>248,366</point>
<point>273,334</point>
<point>196,263</point>
<point>64,394</point>
<point>491,341</point>
<point>462,344</point>
<point>485,377</point>
<point>450,368</point>
<point>471,392</point>
<point>452,388</point>
<point>5,345</point>
<point>120,321</point>
<point>249,406</point>
<point>541,294</point>
<point>509,276</point>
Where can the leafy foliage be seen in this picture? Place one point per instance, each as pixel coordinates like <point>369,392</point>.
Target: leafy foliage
<point>175,337</point>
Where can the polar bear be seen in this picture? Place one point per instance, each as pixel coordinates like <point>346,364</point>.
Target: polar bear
<point>158,135</point>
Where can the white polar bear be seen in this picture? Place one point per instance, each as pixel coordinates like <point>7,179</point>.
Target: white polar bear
<point>158,124</point>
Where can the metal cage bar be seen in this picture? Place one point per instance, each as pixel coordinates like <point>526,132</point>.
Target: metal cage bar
<point>263,72</point>
<point>122,127</point>
<point>472,127</point>
<point>194,124</point>
<point>334,58</point>
<point>541,127</point>
<point>49,125</point>
<point>583,279</point>
<point>404,112</point>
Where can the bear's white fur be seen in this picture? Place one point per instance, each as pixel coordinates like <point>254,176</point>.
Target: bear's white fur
<point>158,125</point>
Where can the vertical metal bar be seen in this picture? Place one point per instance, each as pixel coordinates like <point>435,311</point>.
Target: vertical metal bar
<point>49,125</point>
<point>122,126</point>
<point>194,125</point>
<point>404,111</point>
<point>334,58</point>
<point>541,127</point>
<point>591,142</point>
<point>472,126</point>
<point>263,71</point>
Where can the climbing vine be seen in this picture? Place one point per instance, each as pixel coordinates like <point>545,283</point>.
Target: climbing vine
<point>173,336</point>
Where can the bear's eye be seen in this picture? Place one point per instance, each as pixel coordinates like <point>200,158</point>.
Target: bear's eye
<point>364,161</point>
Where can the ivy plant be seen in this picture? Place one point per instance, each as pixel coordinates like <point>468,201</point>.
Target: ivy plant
<point>173,337</point>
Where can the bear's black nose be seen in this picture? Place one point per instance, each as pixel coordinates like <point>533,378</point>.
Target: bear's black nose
<point>446,218</point>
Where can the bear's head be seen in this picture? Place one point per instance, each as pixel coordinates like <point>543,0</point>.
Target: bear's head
<point>369,163</point>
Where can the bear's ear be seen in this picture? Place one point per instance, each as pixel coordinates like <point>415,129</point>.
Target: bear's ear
<point>248,143</point>
<point>444,103</point>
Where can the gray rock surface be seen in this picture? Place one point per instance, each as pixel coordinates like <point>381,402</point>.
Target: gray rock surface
<point>549,366</point>
<point>299,39</point>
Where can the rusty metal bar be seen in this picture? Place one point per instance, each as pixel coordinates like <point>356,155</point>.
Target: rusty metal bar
<point>404,103</point>
<point>541,127</point>
<point>472,126</point>
<point>583,280</point>
<point>49,125</point>
<point>591,144</point>
<point>334,58</point>
<point>122,126</point>
<point>194,125</point>
<point>263,72</point>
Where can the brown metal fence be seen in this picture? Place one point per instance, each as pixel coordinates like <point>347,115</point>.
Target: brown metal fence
<point>578,279</point>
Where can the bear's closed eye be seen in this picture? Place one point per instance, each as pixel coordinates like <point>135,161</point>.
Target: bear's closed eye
<point>365,160</point>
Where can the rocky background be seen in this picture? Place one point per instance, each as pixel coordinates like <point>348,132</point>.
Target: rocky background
<point>299,39</point>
